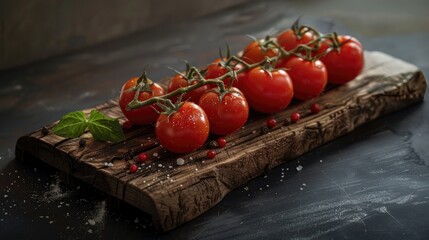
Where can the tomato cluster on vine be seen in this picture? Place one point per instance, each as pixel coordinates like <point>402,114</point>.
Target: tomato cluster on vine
<point>268,74</point>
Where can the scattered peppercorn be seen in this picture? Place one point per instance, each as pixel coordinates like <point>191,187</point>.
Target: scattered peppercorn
<point>45,130</point>
<point>142,157</point>
<point>133,168</point>
<point>271,123</point>
<point>213,144</point>
<point>221,142</point>
<point>315,108</point>
<point>82,142</point>
<point>211,154</point>
<point>295,117</point>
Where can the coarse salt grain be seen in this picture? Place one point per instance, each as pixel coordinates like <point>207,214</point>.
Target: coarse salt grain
<point>180,161</point>
<point>299,168</point>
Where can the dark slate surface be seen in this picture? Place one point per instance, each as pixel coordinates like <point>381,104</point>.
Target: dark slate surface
<point>370,184</point>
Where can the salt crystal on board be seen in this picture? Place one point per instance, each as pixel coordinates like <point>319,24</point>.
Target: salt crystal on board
<point>180,161</point>
<point>299,168</point>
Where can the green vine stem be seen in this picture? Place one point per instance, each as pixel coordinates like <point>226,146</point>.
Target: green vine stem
<point>194,74</point>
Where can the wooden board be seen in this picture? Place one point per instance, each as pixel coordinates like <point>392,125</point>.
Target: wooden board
<point>175,194</point>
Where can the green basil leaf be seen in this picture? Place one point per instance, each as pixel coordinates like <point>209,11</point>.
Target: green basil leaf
<point>71,125</point>
<point>104,128</point>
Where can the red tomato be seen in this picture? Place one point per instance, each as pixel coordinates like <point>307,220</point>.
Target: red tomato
<point>183,131</point>
<point>253,53</point>
<point>179,81</point>
<point>289,40</point>
<point>217,69</point>
<point>144,115</point>
<point>346,64</point>
<point>309,78</point>
<point>241,77</point>
<point>267,92</point>
<point>225,116</point>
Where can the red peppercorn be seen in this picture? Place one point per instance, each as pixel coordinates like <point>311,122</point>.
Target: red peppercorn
<point>211,154</point>
<point>142,157</point>
<point>133,168</point>
<point>127,125</point>
<point>315,108</point>
<point>271,123</point>
<point>295,117</point>
<point>221,142</point>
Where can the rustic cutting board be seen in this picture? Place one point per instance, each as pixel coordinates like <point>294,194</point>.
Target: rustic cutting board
<point>175,194</point>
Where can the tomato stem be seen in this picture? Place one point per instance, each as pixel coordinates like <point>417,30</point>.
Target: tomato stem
<point>193,74</point>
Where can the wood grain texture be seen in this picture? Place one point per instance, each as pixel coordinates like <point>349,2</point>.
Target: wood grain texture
<point>175,194</point>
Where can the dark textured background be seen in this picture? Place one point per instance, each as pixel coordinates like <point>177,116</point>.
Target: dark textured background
<point>37,29</point>
<point>370,184</point>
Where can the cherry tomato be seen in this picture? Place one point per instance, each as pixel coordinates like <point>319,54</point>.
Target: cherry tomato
<point>253,53</point>
<point>267,92</point>
<point>183,131</point>
<point>289,40</point>
<point>144,115</point>
<point>217,69</point>
<point>309,78</point>
<point>225,116</point>
<point>345,64</point>
<point>179,81</point>
<point>240,76</point>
